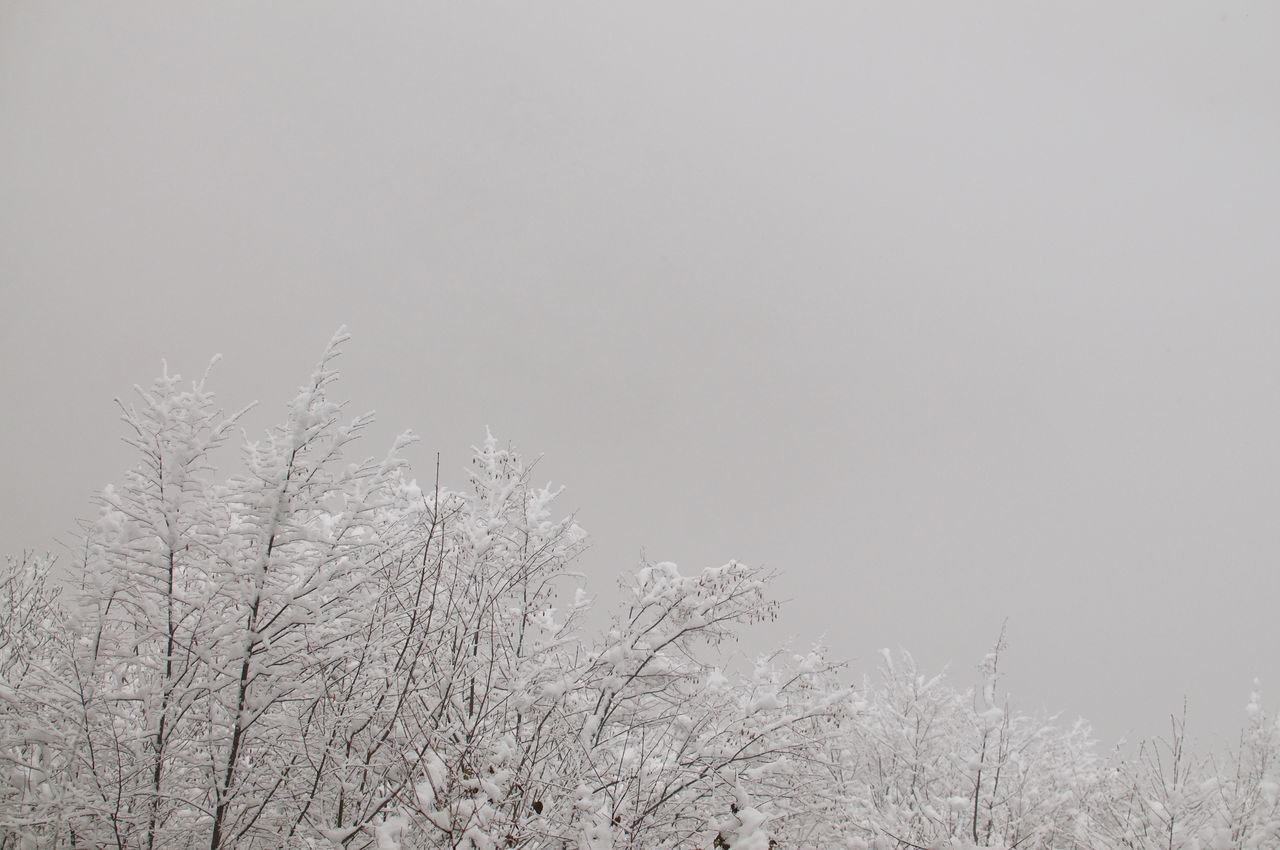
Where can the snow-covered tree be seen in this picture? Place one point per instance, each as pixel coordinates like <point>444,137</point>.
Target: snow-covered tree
<point>321,652</point>
<point>927,765</point>
<point>34,744</point>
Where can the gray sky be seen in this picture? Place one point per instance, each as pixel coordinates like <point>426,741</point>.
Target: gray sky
<point>951,312</point>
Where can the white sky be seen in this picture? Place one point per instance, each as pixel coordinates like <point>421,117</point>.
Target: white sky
<point>951,312</point>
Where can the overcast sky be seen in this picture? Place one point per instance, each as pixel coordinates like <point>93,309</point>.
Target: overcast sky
<point>950,312</point>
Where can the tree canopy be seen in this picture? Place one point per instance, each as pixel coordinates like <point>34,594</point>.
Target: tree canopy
<point>321,651</point>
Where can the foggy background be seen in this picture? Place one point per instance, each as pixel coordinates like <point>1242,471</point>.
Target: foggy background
<point>951,313</point>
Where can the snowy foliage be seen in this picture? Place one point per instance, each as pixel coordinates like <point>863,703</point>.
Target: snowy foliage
<point>320,652</point>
